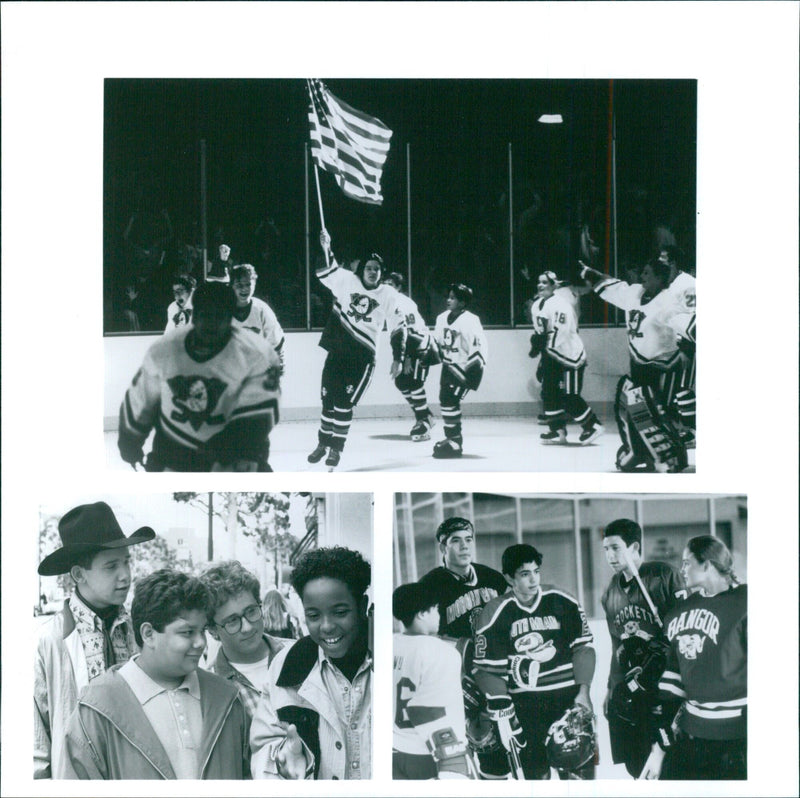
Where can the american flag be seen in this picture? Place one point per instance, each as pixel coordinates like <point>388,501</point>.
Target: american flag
<point>347,143</point>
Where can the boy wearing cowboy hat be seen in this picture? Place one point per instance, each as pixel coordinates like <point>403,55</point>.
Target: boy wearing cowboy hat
<point>92,632</point>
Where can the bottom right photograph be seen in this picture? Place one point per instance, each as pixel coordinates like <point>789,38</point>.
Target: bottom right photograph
<point>570,636</point>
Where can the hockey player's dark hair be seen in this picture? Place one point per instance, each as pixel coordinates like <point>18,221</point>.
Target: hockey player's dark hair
<point>451,525</point>
<point>706,548</point>
<point>673,254</point>
<point>660,270</point>
<point>628,530</point>
<point>408,600</point>
<point>213,295</point>
<point>397,279</point>
<point>336,562</point>
<point>163,596</point>
<point>244,269</point>
<point>462,292</point>
<point>186,280</point>
<point>514,557</point>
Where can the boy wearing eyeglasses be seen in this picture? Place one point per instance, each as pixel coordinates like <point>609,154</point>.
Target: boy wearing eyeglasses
<point>237,623</point>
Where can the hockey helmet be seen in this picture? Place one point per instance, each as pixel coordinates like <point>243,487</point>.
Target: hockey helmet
<point>570,741</point>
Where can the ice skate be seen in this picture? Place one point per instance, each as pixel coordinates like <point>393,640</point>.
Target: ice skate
<point>317,454</point>
<point>332,460</point>
<point>421,431</point>
<point>590,433</point>
<point>554,437</point>
<point>447,449</point>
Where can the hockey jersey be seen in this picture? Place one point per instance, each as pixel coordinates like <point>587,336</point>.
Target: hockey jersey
<point>629,615</point>
<point>461,599</point>
<point>707,665</point>
<point>418,336</point>
<point>548,632</point>
<point>651,339</point>
<point>262,320</point>
<point>556,318</point>
<point>178,316</point>
<point>358,312</point>
<point>427,692</point>
<point>462,343</point>
<point>191,401</point>
<point>682,288</point>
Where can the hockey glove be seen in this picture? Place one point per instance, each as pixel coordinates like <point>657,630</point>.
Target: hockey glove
<point>540,371</point>
<point>473,374</point>
<point>590,275</point>
<point>130,449</point>
<point>450,755</point>
<point>686,346</point>
<point>538,341</point>
<point>501,712</point>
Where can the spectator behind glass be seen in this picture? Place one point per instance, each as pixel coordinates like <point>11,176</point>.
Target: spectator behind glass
<point>277,620</point>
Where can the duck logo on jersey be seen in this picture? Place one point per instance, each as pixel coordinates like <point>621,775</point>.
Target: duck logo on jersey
<point>689,646</point>
<point>635,319</point>
<point>196,398</point>
<point>535,646</point>
<point>361,306</point>
<point>449,340</point>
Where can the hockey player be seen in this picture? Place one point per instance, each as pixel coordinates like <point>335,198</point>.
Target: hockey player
<point>563,361</point>
<point>682,287</point>
<point>361,305</point>
<point>637,641</point>
<point>533,659</point>
<point>210,392</point>
<point>429,724</point>
<point>419,354</point>
<point>707,670</point>
<point>253,313</point>
<point>463,350</point>
<point>180,310</point>
<point>463,586</point>
<point>649,438</point>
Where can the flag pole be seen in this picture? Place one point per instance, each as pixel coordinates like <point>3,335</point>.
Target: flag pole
<point>308,239</point>
<point>321,214</point>
<point>408,211</point>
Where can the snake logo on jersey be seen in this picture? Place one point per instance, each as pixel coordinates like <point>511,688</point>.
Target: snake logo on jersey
<point>361,306</point>
<point>196,398</point>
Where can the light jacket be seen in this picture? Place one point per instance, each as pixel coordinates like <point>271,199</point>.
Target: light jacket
<point>296,693</point>
<point>60,673</point>
<point>110,737</point>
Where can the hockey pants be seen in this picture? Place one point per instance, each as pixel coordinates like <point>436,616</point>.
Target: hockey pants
<point>344,381</point>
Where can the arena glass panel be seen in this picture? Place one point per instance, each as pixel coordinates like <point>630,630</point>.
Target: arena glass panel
<point>495,527</point>
<point>549,526</point>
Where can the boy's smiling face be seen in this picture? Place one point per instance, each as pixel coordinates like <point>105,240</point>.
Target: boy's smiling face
<point>334,616</point>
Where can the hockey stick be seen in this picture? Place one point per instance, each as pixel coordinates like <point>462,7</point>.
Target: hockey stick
<point>514,762</point>
<point>635,571</point>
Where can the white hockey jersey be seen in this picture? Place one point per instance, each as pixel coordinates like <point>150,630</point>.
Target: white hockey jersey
<point>262,320</point>
<point>427,692</point>
<point>556,318</point>
<point>685,293</point>
<point>461,343</point>
<point>361,312</point>
<point>178,316</point>
<point>418,333</point>
<point>651,339</point>
<point>191,401</point>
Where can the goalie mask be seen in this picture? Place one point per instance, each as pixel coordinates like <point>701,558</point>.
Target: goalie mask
<point>570,740</point>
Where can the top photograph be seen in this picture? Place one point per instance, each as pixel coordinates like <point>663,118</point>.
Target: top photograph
<point>399,275</point>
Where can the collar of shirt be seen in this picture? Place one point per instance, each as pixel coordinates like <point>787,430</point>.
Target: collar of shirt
<point>325,661</point>
<point>144,688</point>
<point>471,578</point>
<point>88,621</point>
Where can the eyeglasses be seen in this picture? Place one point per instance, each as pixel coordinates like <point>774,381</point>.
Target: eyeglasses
<point>233,625</point>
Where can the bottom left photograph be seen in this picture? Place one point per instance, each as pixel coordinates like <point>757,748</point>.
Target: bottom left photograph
<point>204,636</point>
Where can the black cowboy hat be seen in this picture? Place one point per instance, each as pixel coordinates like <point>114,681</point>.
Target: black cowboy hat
<point>86,528</point>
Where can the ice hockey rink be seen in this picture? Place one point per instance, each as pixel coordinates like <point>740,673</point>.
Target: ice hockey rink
<point>382,444</point>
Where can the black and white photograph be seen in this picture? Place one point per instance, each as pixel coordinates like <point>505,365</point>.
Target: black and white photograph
<point>401,272</point>
<point>573,636</point>
<point>350,397</point>
<point>204,636</point>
